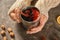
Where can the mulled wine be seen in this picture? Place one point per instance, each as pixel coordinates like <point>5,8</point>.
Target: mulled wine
<point>32,13</point>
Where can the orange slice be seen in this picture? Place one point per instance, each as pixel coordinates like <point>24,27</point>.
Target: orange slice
<point>58,19</point>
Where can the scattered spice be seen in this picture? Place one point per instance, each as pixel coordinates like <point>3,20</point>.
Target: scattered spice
<point>9,30</point>
<point>4,38</point>
<point>3,27</point>
<point>3,33</point>
<point>12,35</point>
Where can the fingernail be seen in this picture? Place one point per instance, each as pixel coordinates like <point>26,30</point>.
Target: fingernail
<point>28,32</point>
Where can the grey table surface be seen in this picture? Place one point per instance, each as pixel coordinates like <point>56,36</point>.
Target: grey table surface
<point>51,30</point>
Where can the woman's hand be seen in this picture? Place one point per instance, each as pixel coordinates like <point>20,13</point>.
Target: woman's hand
<point>43,20</point>
<point>14,15</point>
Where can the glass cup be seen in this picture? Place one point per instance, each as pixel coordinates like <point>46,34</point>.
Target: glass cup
<point>29,24</point>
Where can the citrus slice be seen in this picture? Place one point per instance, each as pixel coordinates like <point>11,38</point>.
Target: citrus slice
<point>58,19</point>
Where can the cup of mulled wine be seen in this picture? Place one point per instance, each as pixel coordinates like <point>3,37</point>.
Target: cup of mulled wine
<point>33,18</point>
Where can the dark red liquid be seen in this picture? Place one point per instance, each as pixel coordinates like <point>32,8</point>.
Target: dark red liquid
<point>32,12</point>
<point>35,14</point>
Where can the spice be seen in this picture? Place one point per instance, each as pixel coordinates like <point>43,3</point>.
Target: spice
<point>4,38</point>
<point>12,35</point>
<point>9,30</point>
<point>3,33</point>
<point>3,27</point>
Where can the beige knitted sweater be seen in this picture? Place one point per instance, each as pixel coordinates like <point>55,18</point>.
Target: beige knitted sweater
<point>45,5</point>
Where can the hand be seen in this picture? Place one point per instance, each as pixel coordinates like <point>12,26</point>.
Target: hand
<point>15,15</point>
<point>40,27</point>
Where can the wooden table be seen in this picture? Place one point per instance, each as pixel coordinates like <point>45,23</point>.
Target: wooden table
<point>51,31</point>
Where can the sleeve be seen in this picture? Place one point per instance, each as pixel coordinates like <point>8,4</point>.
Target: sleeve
<point>45,5</point>
<point>42,8</point>
<point>51,3</point>
<point>20,4</point>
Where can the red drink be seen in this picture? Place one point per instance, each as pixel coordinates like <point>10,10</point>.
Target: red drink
<point>30,17</point>
<point>32,13</point>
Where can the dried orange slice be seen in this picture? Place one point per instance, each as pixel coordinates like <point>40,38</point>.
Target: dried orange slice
<point>58,19</point>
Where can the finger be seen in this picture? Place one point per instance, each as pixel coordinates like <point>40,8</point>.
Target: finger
<point>28,32</point>
<point>13,16</point>
<point>34,30</point>
<point>18,20</point>
<point>26,15</point>
<point>31,32</point>
<point>17,10</point>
